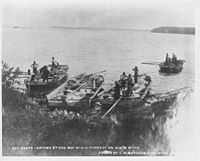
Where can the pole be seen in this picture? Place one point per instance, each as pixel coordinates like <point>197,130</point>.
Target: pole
<point>111,107</point>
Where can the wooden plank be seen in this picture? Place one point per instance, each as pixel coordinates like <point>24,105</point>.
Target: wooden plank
<point>58,90</point>
<point>114,105</point>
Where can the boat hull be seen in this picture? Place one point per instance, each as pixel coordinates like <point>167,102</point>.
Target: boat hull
<point>171,68</point>
<point>167,69</point>
<point>44,86</point>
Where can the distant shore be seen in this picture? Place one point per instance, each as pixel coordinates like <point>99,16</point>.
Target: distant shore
<point>97,28</point>
<point>175,30</point>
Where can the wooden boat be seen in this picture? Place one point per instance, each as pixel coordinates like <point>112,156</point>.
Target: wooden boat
<point>146,104</point>
<point>139,93</point>
<point>168,68</point>
<point>77,88</point>
<point>37,85</point>
<point>171,68</point>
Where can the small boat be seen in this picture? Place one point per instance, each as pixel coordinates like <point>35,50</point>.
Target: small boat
<point>37,85</point>
<point>76,89</point>
<point>171,68</point>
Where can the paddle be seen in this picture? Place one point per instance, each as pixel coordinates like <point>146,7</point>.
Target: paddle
<point>112,107</point>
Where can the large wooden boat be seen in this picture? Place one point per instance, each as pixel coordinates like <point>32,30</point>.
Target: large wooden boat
<point>75,90</point>
<point>139,93</point>
<point>57,78</point>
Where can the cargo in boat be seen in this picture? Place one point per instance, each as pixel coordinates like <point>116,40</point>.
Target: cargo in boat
<point>75,90</point>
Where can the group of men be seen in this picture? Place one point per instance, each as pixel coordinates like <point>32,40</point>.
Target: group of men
<point>169,60</point>
<point>44,70</point>
<point>125,84</point>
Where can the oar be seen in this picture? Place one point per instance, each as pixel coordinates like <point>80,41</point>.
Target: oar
<point>177,90</point>
<point>78,88</point>
<point>170,92</point>
<point>106,90</point>
<point>112,107</point>
<point>145,92</point>
<point>95,92</point>
<point>140,75</point>
<point>94,84</point>
<point>151,63</point>
<point>94,95</point>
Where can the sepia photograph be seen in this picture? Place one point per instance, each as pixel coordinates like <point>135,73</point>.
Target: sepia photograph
<point>98,78</point>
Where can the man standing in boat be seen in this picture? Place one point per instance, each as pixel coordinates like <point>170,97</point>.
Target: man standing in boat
<point>54,63</point>
<point>175,61</point>
<point>123,79</point>
<point>167,59</point>
<point>34,66</point>
<point>130,84</point>
<point>173,58</point>
<point>135,74</point>
<point>45,74</point>
<point>130,80</point>
<point>117,91</point>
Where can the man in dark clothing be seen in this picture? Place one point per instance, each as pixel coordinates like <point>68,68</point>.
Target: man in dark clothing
<point>117,91</point>
<point>135,74</point>
<point>173,58</point>
<point>130,80</point>
<point>130,84</point>
<point>167,59</point>
<point>29,72</point>
<point>129,91</point>
<point>45,74</point>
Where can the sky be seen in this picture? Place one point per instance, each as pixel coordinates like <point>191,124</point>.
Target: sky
<point>135,14</point>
